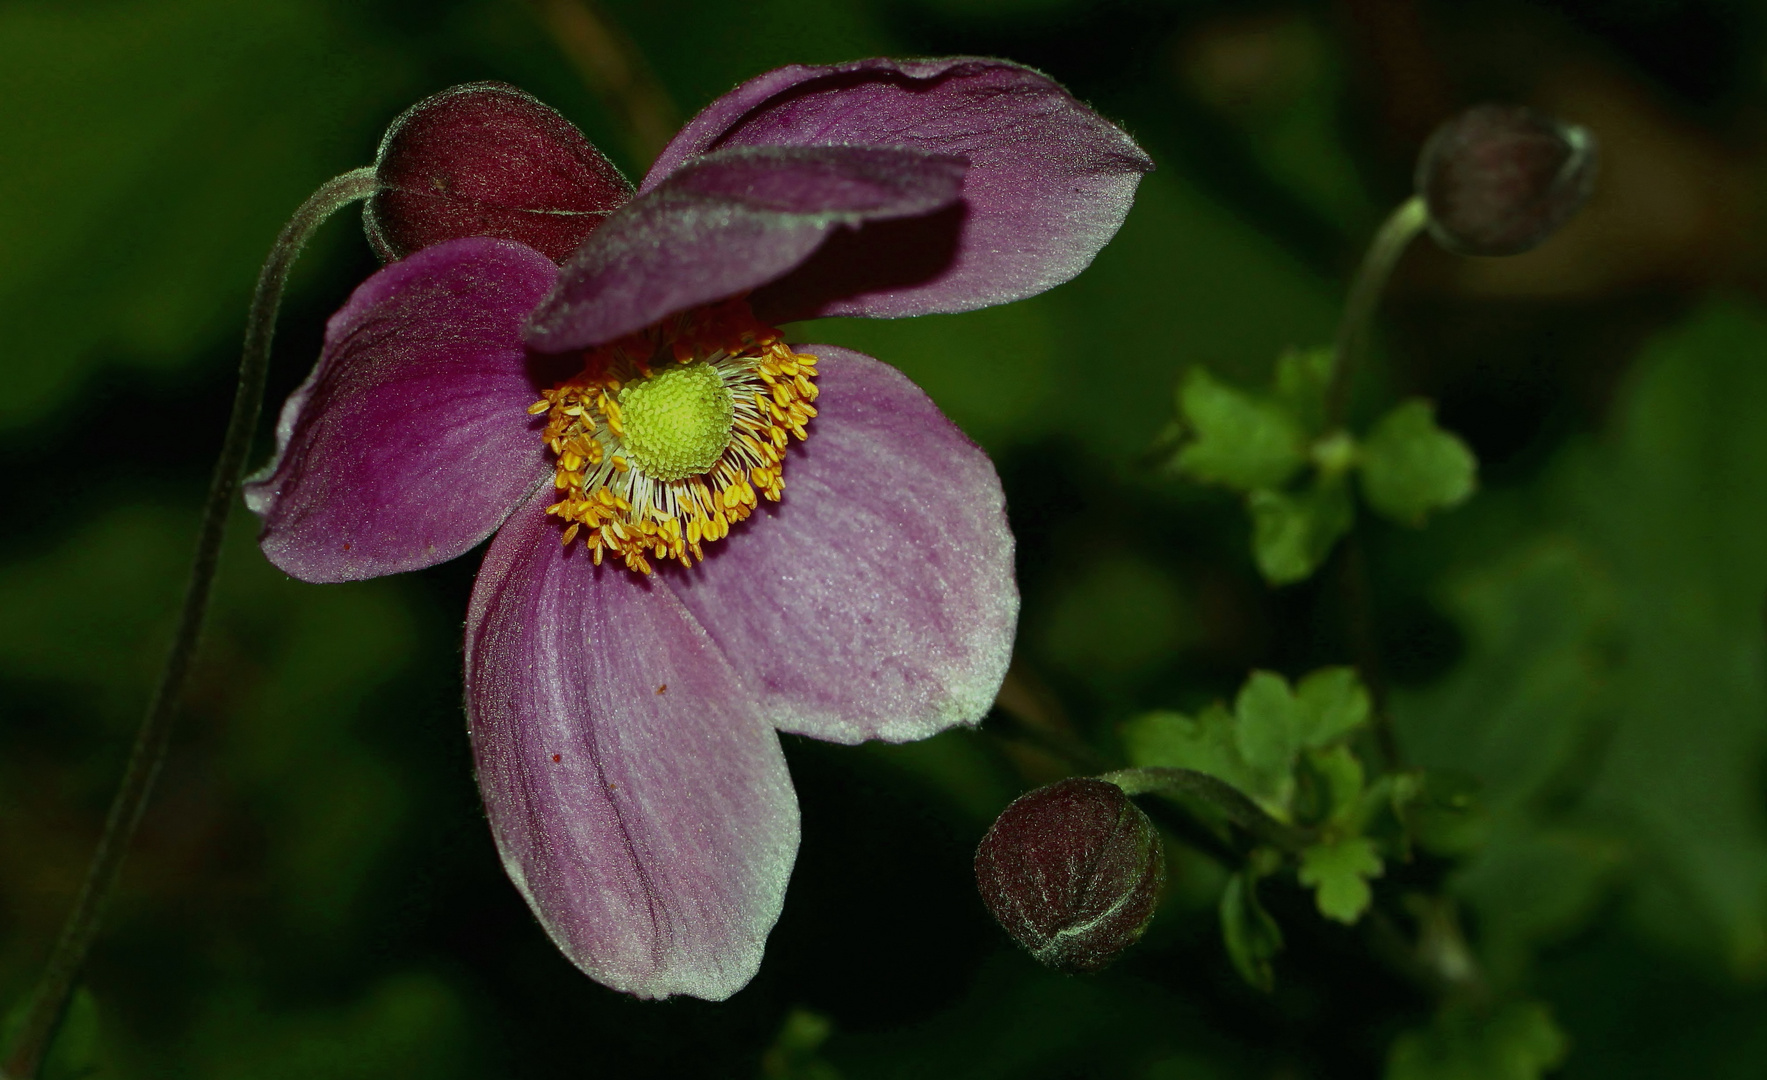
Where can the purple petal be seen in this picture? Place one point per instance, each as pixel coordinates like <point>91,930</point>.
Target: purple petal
<point>725,223</point>
<point>411,441</point>
<point>877,600</point>
<point>639,803</point>
<point>1049,180</point>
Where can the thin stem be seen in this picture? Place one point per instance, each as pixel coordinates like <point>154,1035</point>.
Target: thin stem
<point>1239,809</point>
<point>50,998</point>
<point>1371,278</point>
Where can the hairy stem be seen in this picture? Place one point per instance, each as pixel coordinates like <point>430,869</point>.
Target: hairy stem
<point>60,974</point>
<point>1383,254</point>
<point>1232,802</point>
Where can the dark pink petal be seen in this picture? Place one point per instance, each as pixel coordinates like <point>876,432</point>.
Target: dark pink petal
<point>411,441</point>
<point>1049,180</point>
<point>487,159</point>
<point>877,600</point>
<point>725,223</point>
<point>639,802</point>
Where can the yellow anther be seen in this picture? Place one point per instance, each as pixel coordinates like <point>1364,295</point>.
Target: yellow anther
<point>615,498</point>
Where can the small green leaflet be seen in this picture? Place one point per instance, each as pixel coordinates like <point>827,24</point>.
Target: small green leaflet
<point>1252,937</point>
<point>1338,872</point>
<point>1293,533</point>
<point>1411,467</point>
<point>1519,1041</point>
<point>1240,440</point>
<point>1255,746</point>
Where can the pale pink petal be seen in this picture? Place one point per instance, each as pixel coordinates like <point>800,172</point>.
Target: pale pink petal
<point>877,600</point>
<point>640,803</point>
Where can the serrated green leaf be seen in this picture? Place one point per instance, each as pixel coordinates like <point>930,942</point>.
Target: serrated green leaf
<point>1411,467</point>
<point>1302,378</point>
<point>1268,731</point>
<point>1519,1042</point>
<point>1252,937</point>
<point>1241,440</point>
<point>1205,743</point>
<point>1333,703</point>
<point>1338,872</point>
<point>1339,781</point>
<point>1292,534</point>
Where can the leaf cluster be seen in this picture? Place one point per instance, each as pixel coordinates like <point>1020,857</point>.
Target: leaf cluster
<point>1281,451</point>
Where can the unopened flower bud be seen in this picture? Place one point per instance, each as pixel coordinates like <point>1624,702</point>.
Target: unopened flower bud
<point>1073,872</point>
<point>487,159</point>
<point>1500,180</point>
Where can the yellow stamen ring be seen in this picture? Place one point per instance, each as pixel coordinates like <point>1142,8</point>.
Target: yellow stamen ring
<point>669,436</point>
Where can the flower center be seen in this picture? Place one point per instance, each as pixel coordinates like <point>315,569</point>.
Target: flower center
<point>667,436</point>
<point>678,420</point>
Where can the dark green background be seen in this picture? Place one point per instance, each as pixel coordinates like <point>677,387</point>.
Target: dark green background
<point>314,892</point>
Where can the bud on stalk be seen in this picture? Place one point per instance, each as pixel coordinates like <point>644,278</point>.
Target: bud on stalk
<point>487,159</point>
<point>1073,872</point>
<point>1500,180</point>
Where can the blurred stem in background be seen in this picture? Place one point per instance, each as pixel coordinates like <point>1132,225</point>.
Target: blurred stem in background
<point>1395,235</point>
<point>1390,242</point>
<point>49,1000</point>
<point>615,70</point>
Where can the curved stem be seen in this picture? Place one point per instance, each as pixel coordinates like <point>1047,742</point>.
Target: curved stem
<point>1389,243</point>
<point>56,985</point>
<point>1232,802</point>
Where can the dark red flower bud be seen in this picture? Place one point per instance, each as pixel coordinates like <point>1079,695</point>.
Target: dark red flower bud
<point>487,159</point>
<point>1500,180</point>
<point>1073,872</point>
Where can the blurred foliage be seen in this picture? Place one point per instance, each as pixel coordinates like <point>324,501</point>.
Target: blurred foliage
<point>1571,657</point>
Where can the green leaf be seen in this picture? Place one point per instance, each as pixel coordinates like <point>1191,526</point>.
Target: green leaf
<point>1616,671</point>
<point>1206,743</point>
<point>796,1053</point>
<point>1339,781</point>
<point>1268,731</point>
<point>1333,703</point>
<point>1411,467</point>
<point>1519,1042</point>
<point>1292,534</point>
<point>1252,937</point>
<point>1242,441</point>
<point>1338,872</point>
<point>1303,376</point>
<point>1440,810</point>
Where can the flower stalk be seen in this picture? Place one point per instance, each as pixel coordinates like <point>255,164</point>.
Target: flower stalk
<point>50,998</point>
<point>1395,235</point>
<point>1238,809</point>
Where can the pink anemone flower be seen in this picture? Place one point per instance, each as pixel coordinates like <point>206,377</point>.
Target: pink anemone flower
<point>701,535</point>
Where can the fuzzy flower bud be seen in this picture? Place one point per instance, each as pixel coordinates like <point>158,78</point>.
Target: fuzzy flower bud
<point>1073,872</point>
<point>1500,180</point>
<point>487,159</point>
